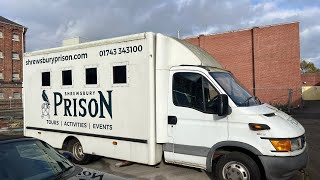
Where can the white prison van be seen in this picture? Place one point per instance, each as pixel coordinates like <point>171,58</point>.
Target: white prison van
<point>148,96</point>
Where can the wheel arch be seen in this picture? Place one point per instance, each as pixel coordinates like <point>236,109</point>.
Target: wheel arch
<point>229,146</point>
<point>67,140</point>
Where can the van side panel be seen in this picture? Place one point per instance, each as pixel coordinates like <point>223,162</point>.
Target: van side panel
<point>96,114</point>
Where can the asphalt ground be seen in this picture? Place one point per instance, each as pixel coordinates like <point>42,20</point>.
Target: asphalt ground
<point>309,117</point>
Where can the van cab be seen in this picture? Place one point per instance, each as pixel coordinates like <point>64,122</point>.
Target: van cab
<point>244,133</point>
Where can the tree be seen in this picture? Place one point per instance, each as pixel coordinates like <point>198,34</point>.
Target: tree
<point>308,67</point>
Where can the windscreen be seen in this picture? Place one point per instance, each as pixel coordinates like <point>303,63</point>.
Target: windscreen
<point>31,160</point>
<point>237,92</point>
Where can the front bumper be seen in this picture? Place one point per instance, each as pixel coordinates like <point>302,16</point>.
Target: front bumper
<point>282,168</point>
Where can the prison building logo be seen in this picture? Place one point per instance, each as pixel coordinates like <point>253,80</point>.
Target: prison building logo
<point>45,107</point>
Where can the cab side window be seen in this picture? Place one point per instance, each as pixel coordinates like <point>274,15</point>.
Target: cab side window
<point>194,91</point>
<point>187,90</point>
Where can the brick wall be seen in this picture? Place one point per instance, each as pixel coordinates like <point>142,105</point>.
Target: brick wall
<point>310,79</point>
<point>9,66</point>
<point>265,59</point>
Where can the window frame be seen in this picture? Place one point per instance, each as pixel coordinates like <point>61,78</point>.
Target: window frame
<point>50,80</point>
<point>1,34</point>
<point>2,76</point>
<point>72,82</point>
<point>85,76</point>
<point>20,95</point>
<point>15,35</point>
<point>15,58</point>
<point>2,95</point>
<point>1,55</point>
<point>13,79</point>
<point>202,86</point>
<point>126,64</point>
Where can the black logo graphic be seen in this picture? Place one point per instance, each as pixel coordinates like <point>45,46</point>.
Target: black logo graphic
<point>45,105</point>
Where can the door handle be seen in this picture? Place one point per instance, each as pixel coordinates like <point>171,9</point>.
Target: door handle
<point>172,120</point>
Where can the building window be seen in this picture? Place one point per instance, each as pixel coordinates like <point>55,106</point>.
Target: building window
<point>120,74</point>
<point>91,75</point>
<point>1,35</point>
<point>1,54</point>
<point>16,95</point>
<point>15,37</point>
<point>15,56</point>
<point>1,95</point>
<point>66,77</point>
<point>15,76</point>
<point>46,79</point>
<point>1,76</point>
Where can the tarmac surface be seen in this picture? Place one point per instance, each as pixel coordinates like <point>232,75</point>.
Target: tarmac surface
<point>309,117</point>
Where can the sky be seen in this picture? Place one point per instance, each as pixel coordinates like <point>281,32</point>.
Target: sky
<point>49,22</point>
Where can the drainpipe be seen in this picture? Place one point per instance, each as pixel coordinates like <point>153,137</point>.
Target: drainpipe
<point>253,65</point>
<point>22,53</point>
<point>22,37</point>
<point>22,74</point>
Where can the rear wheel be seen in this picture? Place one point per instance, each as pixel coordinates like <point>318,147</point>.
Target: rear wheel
<point>237,166</point>
<point>75,147</point>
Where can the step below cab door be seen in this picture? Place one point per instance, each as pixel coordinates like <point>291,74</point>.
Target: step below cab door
<point>193,124</point>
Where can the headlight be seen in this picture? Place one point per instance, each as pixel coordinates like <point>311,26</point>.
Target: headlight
<point>295,144</point>
<point>285,145</point>
<point>282,145</point>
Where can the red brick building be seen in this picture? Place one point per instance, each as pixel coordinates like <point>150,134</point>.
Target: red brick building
<point>265,59</point>
<point>310,79</point>
<point>12,46</point>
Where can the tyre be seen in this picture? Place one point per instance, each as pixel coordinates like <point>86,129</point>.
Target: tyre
<point>236,166</point>
<point>75,147</point>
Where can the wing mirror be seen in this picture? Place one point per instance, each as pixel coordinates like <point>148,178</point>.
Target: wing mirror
<point>223,104</point>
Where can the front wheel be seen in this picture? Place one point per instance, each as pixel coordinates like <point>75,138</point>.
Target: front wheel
<point>75,147</point>
<point>237,166</point>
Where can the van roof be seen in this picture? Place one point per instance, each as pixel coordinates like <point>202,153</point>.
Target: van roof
<point>205,58</point>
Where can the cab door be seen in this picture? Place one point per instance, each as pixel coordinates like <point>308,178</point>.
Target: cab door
<point>193,122</point>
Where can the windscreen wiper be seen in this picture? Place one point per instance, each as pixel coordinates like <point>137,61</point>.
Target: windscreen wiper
<point>247,100</point>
